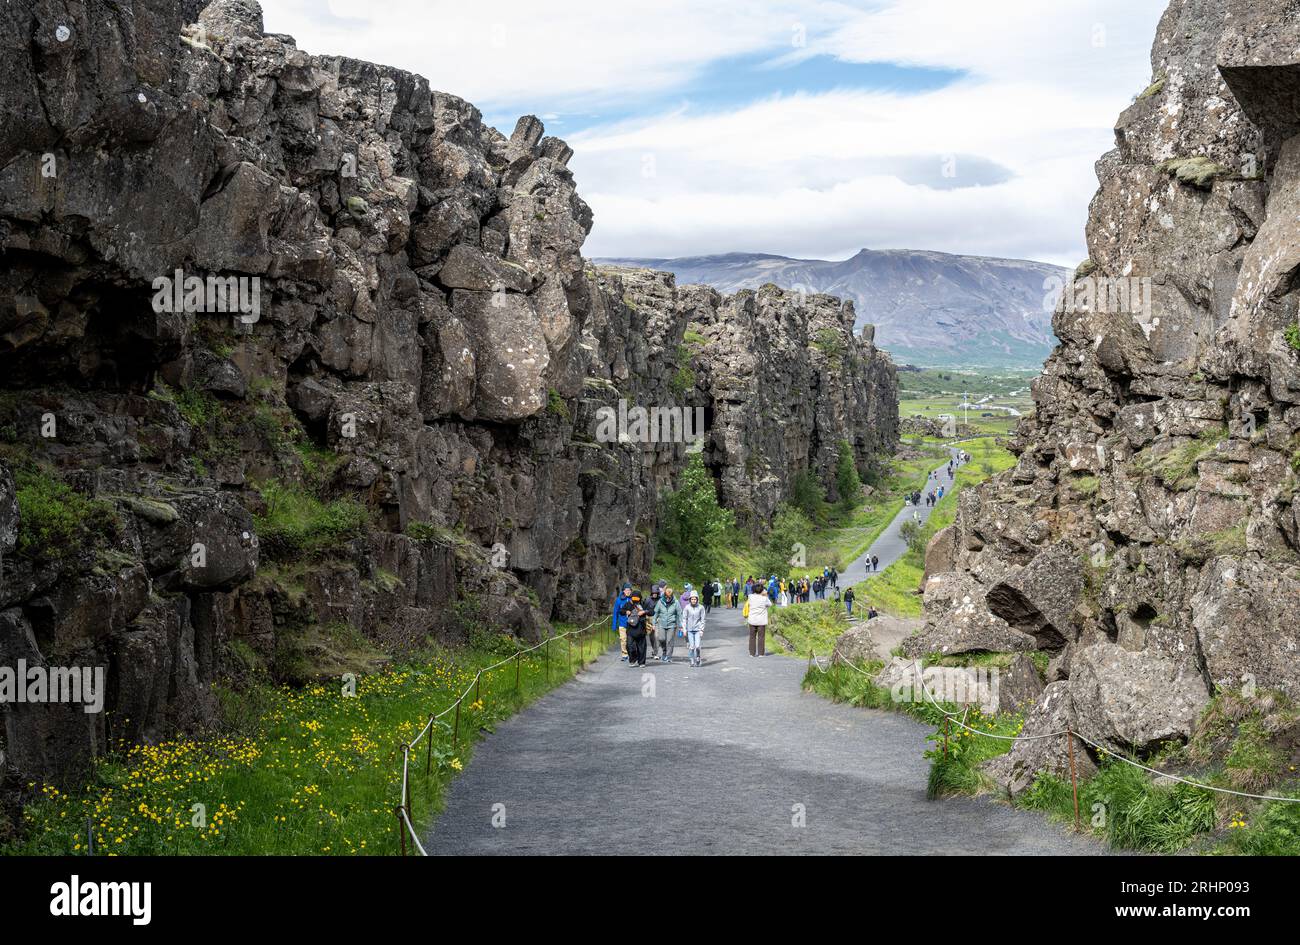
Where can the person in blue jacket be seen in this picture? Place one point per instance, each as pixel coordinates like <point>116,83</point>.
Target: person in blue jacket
<point>620,619</point>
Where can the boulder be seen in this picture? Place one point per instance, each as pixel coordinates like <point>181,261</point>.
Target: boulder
<point>1134,701</point>
<point>1040,749</point>
<point>958,620</point>
<point>1246,614</point>
<point>1039,599</point>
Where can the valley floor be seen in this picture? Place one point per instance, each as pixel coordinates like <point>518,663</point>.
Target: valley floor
<point>725,758</point>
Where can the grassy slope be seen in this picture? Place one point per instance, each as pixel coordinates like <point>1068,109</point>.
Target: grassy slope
<point>306,771</point>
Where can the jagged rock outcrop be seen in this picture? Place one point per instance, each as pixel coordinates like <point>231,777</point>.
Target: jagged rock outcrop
<point>782,379</point>
<point>1149,534</point>
<point>291,343</point>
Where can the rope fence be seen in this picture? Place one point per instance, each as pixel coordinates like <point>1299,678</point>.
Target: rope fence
<point>403,810</point>
<point>838,660</point>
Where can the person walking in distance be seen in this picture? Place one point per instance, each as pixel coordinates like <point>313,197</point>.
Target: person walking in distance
<point>635,621</point>
<point>668,622</point>
<point>756,616</point>
<point>693,619</point>
<point>848,600</point>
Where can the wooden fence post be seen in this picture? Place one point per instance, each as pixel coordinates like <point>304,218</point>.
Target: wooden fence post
<point>1074,778</point>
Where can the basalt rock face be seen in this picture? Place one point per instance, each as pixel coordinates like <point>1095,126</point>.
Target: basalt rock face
<point>1149,533</point>
<point>782,380</point>
<point>393,433</point>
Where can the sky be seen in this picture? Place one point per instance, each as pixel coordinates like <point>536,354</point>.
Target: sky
<point>803,128</point>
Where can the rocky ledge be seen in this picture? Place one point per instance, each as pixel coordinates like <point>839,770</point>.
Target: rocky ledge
<point>1149,536</point>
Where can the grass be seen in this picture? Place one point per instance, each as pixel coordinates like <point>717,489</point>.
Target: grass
<point>297,524</point>
<point>1122,805</point>
<point>54,520</point>
<point>894,590</point>
<point>814,626</point>
<point>296,772</point>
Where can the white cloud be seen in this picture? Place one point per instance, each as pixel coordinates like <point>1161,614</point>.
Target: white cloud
<point>802,174</point>
<point>588,53</point>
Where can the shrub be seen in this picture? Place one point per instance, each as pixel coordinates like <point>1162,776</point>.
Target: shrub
<point>54,521</point>
<point>692,523</point>
<point>297,523</point>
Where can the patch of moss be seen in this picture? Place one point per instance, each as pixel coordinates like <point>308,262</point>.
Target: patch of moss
<point>298,524</point>
<point>1153,89</point>
<point>1198,171</point>
<point>555,404</point>
<point>54,520</point>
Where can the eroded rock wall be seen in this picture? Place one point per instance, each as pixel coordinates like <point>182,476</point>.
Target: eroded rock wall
<point>1148,535</point>
<point>419,385</point>
<point>783,380</point>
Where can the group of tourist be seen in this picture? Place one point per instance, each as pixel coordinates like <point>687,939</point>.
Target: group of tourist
<point>658,621</point>
<point>649,626</point>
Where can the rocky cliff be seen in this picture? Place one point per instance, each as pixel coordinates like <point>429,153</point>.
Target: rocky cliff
<point>1149,536</point>
<point>294,348</point>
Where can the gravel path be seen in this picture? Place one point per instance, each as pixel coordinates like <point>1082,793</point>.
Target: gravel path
<point>731,757</point>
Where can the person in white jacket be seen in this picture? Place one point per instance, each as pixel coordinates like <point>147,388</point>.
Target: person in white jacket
<point>757,605</point>
<point>693,618</point>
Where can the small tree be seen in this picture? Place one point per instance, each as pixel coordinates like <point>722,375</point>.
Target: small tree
<point>807,494</point>
<point>914,535</point>
<point>789,537</point>
<point>692,524</point>
<point>847,483</point>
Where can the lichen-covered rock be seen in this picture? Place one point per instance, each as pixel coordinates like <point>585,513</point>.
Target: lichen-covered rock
<point>1131,700</point>
<point>1161,457</point>
<point>1045,747</point>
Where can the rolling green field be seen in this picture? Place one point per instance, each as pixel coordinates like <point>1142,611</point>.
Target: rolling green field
<point>993,402</point>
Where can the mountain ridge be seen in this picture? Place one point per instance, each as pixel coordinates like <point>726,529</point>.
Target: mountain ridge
<point>929,307</point>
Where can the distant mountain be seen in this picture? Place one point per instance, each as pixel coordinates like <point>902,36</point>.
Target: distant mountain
<point>932,309</point>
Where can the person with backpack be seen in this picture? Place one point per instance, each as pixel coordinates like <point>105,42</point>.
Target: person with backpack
<point>634,618</point>
<point>693,619</point>
<point>848,600</point>
<point>620,619</point>
<point>668,621</point>
<point>875,562</point>
<point>756,618</point>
